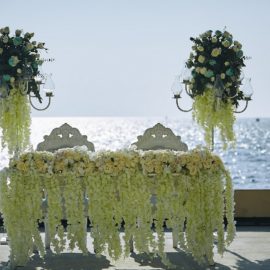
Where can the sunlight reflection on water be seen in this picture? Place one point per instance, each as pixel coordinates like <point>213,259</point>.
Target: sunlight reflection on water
<point>249,162</point>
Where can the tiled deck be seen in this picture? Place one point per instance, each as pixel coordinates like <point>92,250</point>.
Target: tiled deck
<point>249,251</point>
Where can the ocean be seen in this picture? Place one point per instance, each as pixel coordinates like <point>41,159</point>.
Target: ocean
<point>249,162</point>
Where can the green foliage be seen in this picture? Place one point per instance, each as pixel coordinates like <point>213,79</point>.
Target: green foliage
<point>19,61</point>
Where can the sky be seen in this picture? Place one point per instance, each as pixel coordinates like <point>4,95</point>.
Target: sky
<point>120,57</point>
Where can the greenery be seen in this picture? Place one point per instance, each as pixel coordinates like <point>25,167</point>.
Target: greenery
<point>216,54</point>
<point>19,61</point>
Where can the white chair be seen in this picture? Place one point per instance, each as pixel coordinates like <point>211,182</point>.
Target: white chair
<point>64,136</point>
<point>157,138</point>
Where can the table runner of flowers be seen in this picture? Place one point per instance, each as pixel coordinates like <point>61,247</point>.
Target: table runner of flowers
<point>193,193</point>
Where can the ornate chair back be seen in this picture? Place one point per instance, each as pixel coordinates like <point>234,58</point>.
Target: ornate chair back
<point>64,136</point>
<point>159,137</point>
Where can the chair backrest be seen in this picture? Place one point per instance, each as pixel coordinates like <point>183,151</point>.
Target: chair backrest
<point>64,136</point>
<point>159,137</point>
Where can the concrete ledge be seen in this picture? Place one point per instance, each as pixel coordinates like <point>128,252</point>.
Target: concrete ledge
<point>252,203</point>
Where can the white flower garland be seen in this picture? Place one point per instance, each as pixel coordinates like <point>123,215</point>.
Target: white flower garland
<point>15,121</point>
<point>190,189</point>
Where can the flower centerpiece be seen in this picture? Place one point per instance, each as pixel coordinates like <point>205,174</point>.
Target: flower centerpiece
<point>19,62</point>
<point>215,62</point>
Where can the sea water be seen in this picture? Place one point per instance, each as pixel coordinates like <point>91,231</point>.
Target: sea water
<point>248,162</point>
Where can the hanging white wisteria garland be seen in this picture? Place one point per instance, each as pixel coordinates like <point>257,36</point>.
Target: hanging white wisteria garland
<point>192,190</point>
<point>15,121</point>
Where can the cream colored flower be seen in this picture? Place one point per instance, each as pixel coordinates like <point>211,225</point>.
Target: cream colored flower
<point>226,43</point>
<point>29,46</point>
<point>197,69</point>
<point>214,40</point>
<point>201,59</point>
<point>203,70</point>
<point>216,52</point>
<point>236,49</point>
<point>200,49</point>
<point>222,76</point>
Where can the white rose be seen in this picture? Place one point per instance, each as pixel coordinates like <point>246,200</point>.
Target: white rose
<point>203,70</point>
<point>29,46</point>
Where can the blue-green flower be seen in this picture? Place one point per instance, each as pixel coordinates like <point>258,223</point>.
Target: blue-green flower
<point>209,73</point>
<point>13,61</point>
<point>17,41</point>
<point>229,72</point>
<point>35,65</point>
<point>239,53</point>
<point>212,62</point>
<point>6,77</point>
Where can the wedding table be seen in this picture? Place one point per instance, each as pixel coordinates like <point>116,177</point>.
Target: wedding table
<point>193,192</point>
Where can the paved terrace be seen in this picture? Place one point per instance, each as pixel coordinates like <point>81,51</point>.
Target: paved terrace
<point>249,251</point>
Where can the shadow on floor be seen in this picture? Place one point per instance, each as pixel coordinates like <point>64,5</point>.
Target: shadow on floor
<point>181,261</point>
<point>67,261</point>
<point>243,263</point>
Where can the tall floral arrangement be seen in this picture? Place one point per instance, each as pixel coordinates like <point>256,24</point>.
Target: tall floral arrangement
<point>19,62</point>
<point>215,62</point>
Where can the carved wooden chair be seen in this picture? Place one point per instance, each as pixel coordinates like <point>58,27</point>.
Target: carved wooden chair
<point>159,138</point>
<point>64,136</point>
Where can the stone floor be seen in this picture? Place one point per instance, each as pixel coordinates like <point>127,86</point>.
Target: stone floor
<point>249,251</point>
